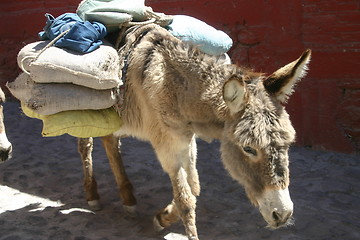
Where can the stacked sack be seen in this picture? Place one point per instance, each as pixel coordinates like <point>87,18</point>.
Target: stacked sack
<point>72,82</point>
<point>70,92</point>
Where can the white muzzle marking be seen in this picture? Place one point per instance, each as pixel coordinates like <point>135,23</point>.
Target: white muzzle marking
<point>276,207</point>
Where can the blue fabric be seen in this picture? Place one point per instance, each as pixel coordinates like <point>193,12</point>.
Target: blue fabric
<point>196,32</point>
<point>83,36</point>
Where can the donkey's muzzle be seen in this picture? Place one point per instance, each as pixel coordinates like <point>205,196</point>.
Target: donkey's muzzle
<point>281,218</point>
<point>276,207</point>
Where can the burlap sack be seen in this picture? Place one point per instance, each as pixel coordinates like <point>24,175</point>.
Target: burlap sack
<point>98,69</point>
<point>51,98</point>
<point>78,123</point>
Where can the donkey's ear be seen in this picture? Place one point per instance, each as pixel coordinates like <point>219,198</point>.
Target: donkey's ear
<point>234,92</point>
<point>281,83</point>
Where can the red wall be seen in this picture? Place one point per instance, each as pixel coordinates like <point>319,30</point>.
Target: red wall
<point>325,108</point>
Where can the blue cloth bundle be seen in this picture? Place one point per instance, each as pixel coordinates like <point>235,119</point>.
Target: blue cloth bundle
<point>83,36</point>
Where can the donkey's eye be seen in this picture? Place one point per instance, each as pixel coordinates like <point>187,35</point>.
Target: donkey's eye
<point>250,150</point>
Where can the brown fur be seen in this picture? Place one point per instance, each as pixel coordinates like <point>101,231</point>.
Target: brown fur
<point>174,92</point>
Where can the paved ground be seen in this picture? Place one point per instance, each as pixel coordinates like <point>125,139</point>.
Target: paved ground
<point>41,194</point>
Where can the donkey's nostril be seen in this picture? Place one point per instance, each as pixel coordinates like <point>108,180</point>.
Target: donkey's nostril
<point>276,216</point>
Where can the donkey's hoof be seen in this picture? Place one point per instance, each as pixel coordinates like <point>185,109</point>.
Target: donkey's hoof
<point>193,238</point>
<point>130,210</point>
<point>94,205</point>
<point>157,225</point>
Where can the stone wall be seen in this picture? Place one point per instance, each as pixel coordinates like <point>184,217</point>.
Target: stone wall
<point>325,108</point>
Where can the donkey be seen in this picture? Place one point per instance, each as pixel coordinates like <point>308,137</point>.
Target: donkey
<point>174,92</point>
<point>5,145</point>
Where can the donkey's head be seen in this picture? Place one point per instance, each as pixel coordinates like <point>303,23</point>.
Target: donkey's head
<point>258,134</point>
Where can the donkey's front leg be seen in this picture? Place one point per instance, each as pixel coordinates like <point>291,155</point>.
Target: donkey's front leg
<point>166,217</point>
<point>112,148</point>
<point>191,170</point>
<point>85,147</point>
<point>170,215</point>
<point>185,202</point>
<point>182,207</point>
<point>175,160</point>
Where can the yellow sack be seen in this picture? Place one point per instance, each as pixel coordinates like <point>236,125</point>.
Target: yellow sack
<point>78,123</point>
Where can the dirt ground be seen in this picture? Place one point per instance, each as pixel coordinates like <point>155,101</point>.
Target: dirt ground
<point>41,194</point>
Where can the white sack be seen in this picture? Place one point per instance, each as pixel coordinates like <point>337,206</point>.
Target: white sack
<point>51,98</point>
<point>98,69</point>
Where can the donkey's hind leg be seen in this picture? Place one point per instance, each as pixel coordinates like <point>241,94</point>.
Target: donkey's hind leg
<point>85,147</point>
<point>112,148</point>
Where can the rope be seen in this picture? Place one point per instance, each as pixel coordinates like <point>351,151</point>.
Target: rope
<point>130,24</point>
<point>41,51</point>
<point>160,19</point>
